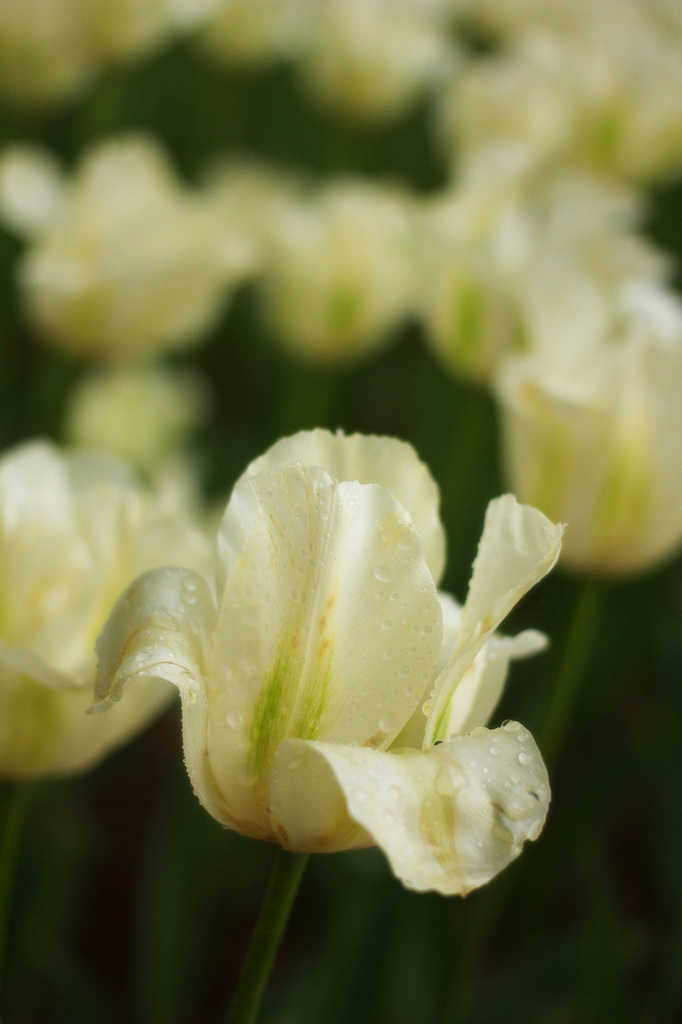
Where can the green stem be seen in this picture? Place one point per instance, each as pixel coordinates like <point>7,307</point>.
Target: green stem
<point>577,648</point>
<point>287,872</point>
<point>14,808</point>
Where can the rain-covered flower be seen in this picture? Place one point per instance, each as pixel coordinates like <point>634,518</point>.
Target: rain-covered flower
<point>341,271</point>
<point>74,531</point>
<point>124,261</point>
<point>594,440</point>
<point>303,664</point>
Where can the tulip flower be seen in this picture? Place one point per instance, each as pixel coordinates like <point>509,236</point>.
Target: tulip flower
<point>124,261</point>
<point>73,532</point>
<point>301,663</point>
<point>594,441</point>
<point>341,274</point>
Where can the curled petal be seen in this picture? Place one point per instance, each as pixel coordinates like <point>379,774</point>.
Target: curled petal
<point>44,726</point>
<point>448,819</point>
<point>160,629</point>
<point>368,459</point>
<point>480,688</point>
<point>518,547</point>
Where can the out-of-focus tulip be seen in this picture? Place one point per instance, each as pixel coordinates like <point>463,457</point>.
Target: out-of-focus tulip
<point>128,261</point>
<point>342,273</point>
<point>608,94</point>
<point>74,531</point>
<point>322,636</point>
<point>595,442</point>
<point>140,415</point>
<point>244,32</point>
<point>51,49</point>
<point>371,58</point>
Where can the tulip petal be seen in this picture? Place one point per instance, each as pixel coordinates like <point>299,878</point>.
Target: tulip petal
<point>44,726</point>
<point>160,630</point>
<point>448,819</point>
<point>369,459</point>
<point>329,625</point>
<point>518,547</point>
<point>480,688</point>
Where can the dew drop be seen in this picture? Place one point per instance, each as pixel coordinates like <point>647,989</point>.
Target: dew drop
<point>523,735</point>
<point>525,757</point>
<point>388,722</point>
<point>247,775</point>
<point>511,726</point>
<point>495,751</point>
<point>234,718</point>
<point>383,573</point>
<point>295,763</point>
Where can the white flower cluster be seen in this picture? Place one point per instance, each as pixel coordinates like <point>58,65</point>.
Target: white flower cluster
<point>528,272</point>
<point>50,50</point>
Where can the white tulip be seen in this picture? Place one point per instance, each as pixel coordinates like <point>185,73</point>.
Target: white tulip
<point>73,532</point>
<point>341,274</point>
<point>594,441</point>
<point>142,415</point>
<point>607,93</point>
<point>248,33</point>
<point>128,261</point>
<point>51,49</point>
<point>371,58</point>
<point>321,636</point>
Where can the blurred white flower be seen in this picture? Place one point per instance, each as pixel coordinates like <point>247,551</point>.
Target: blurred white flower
<point>128,262</point>
<point>326,637</point>
<point>511,257</point>
<point>51,49</point>
<point>607,93</point>
<point>244,32</point>
<point>246,198</point>
<point>74,531</point>
<point>46,51</point>
<point>595,441</point>
<point>371,58</point>
<point>140,415</point>
<point>341,274</point>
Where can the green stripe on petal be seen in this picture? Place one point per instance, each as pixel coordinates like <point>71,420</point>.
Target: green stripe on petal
<point>274,719</point>
<point>329,625</point>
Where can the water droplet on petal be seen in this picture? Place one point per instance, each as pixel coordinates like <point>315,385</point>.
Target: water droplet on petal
<point>383,573</point>
<point>525,757</point>
<point>234,717</point>
<point>388,722</point>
